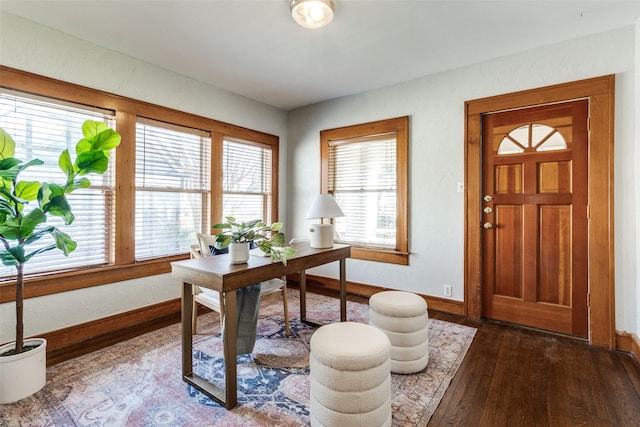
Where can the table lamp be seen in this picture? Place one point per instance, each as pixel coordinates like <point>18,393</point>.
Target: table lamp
<point>324,206</point>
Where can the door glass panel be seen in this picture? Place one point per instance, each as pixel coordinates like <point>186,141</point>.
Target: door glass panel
<point>554,177</point>
<point>533,136</point>
<point>508,179</point>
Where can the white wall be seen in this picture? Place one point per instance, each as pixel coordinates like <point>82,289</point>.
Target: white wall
<point>435,105</point>
<point>31,47</point>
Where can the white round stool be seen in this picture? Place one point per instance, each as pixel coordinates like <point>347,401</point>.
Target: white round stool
<point>350,376</point>
<point>403,317</point>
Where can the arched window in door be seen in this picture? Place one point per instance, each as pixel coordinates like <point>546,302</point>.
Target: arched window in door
<point>532,137</point>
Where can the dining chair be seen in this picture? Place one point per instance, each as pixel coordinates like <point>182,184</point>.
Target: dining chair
<point>214,300</point>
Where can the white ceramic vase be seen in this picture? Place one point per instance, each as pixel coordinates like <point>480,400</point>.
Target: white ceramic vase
<point>24,374</point>
<point>239,253</point>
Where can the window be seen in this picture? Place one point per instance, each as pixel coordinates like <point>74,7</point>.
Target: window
<point>172,188</point>
<point>247,183</point>
<point>365,168</point>
<point>42,129</point>
<point>166,183</point>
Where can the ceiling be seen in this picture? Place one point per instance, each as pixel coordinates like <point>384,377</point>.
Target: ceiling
<point>255,49</point>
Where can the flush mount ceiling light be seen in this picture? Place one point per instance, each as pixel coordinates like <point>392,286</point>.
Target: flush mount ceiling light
<point>312,14</point>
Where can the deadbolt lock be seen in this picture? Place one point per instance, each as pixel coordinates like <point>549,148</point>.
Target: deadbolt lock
<point>487,225</point>
<point>488,198</point>
<point>488,210</point>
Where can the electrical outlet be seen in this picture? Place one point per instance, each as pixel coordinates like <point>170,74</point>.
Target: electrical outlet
<point>447,290</point>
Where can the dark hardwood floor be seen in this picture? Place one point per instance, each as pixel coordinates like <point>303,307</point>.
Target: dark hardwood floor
<point>510,377</point>
<point>515,376</point>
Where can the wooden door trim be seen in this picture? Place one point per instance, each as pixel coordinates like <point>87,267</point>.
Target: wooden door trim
<point>600,93</point>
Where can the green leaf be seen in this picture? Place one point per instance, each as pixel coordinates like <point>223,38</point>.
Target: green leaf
<point>59,206</point>
<point>80,183</point>
<point>39,251</point>
<point>10,229</point>
<point>276,226</point>
<point>105,140</point>
<point>83,146</point>
<point>28,190</point>
<point>30,222</point>
<point>65,163</point>
<point>91,128</point>
<point>63,242</point>
<point>37,235</point>
<point>9,259</point>
<point>7,145</point>
<point>222,226</point>
<point>48,191</point>
<point>222,241</point>
<point>278,239</point>
<point>92,162</point>
<point>9,168</point>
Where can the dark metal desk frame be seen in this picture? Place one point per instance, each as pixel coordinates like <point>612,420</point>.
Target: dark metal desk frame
<point>219,274</point>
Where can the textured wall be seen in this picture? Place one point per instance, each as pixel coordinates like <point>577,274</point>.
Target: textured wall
<point>31,47</point>
<point>436,107</point>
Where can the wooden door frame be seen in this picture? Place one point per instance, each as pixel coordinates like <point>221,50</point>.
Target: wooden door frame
<point>600,93</point>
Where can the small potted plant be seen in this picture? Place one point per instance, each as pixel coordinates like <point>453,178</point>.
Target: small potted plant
<point>23,363</point>
<point>238,236</point>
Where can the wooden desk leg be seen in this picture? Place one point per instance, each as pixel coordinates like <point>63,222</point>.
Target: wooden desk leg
<point>229,396</point>
<point>187,337</point>
<point>303,296</point>
<point>343,290</point>
<point>230,349</point>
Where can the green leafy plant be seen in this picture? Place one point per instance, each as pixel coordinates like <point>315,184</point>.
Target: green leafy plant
<point>267,238</point>
<point>21,227</point>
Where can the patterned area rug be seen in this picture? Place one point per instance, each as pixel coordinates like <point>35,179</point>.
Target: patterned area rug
<point>138,382</point>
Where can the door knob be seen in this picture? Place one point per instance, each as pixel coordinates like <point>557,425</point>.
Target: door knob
<point>487,198</point>
<point>488,210</point>
<point>487,225</point>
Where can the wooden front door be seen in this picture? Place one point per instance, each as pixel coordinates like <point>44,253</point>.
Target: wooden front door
<point>534,215</point>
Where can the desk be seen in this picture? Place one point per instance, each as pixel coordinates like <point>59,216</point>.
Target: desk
<point>218,273</point>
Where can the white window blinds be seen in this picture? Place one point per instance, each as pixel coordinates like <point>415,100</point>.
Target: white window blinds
<point>362,178</point>
<point>172,188</point>
<point>42,128</point>
<point>247,192</point>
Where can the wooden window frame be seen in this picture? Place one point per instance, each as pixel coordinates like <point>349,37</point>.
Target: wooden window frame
<point>124,266</point>
<point>400,127</point>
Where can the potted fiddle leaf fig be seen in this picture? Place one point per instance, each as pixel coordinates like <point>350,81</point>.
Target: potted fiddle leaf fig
<point>238,235</point>
<point>23,363</point>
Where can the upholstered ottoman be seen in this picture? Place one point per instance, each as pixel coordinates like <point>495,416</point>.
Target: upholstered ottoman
<point>403,317</point>
<point>350,376</point>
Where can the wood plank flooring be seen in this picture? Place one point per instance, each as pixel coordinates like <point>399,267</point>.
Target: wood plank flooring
<point>515,376</point>
<point>511,377</point>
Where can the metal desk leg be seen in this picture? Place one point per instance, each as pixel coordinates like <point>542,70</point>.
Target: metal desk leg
<point>187,337</point>
<point>303,296</point>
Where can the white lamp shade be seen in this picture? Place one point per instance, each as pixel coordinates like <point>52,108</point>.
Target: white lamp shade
<point>312,14</point>
<point>324,206</point>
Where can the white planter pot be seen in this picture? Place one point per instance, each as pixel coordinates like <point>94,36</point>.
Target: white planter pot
<point>239,253</point>
<point>22,375</point>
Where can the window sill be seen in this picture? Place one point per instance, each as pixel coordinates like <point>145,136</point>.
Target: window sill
<point>380,255</point>
<point>41,285</point>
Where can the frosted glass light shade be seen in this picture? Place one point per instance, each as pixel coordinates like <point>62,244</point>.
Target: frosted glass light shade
<point>324,206</point>
<point>312,14</point>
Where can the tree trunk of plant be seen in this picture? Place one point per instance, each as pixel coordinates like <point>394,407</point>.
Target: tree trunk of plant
<point>19,310</point>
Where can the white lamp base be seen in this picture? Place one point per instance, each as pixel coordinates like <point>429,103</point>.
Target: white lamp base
<point>321,236</point>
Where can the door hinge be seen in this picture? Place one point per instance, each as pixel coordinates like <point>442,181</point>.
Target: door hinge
<point>588,299</point>
<point>588,124</point>
<point>588,211</point>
